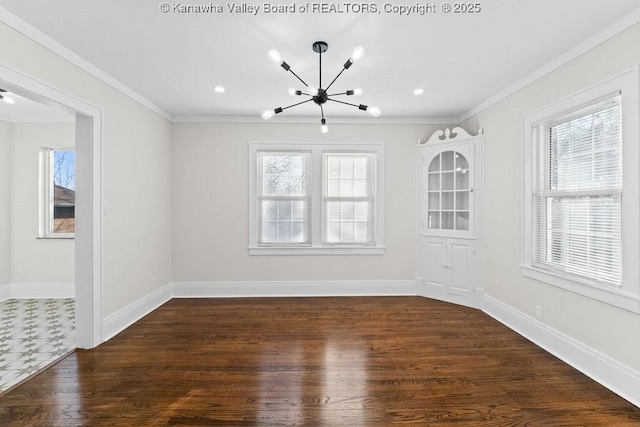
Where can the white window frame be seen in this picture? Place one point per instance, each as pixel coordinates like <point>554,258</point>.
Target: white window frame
<point>626,296</point>
<point>370,198</point>
<point>262,197</point>
<point>47,194</point>
<point>316,246</point>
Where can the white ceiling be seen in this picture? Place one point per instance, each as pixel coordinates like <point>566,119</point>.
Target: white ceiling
<point>25,110</point>
<point>460,60</point>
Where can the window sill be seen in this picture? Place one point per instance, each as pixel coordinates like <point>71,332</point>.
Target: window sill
<point>324,250</point>
<point>57,237</point>
<point>612,296</point>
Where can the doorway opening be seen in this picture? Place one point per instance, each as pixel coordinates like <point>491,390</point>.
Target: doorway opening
<point>88,194</point>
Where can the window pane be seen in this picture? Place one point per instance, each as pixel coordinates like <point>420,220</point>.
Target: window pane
<point>447,221</point>
<point>583,236</point>
<point>347,222</point>
<point>284,174</point>
<point>462,200</point>
<point>462,220</point>
<point>283,221</point>
<point>434,220</point>
<point>447,161</point>
<point>447,200</point>
<point>434,166</point>
<point>462,180</point>
<point>434,182</point>
<point>64,195</point>
<point>586,152</point>
<point>347,175</point>
<point>447,180</point>
<point>434,201</point>
<point>461,162</point>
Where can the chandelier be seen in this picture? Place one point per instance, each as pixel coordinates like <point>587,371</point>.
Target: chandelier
<point>318,94</point>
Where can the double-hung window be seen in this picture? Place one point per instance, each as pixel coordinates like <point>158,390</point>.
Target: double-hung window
<point>579,189</point>
<point>578,197</point>
<point>316,198</point>
<point>283,198</point>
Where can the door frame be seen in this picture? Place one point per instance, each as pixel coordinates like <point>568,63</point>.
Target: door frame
<point>88,235</point>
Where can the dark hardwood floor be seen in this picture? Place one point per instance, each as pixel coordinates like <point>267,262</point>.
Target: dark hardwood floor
<point>314,361</point>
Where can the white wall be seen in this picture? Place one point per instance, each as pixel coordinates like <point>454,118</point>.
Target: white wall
<point>136,149</point>
<point>36,260</point>
<point>5,195</point>
<point>608,330</point>
<point>211,200</point>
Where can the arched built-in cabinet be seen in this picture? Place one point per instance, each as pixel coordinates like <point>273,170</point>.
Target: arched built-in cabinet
<point>449,226</point>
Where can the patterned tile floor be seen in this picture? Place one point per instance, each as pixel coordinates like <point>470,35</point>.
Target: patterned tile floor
<point>33,334</point>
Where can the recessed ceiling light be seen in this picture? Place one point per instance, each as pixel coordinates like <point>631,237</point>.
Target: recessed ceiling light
<point>418,91</point>
<point>219,89</point>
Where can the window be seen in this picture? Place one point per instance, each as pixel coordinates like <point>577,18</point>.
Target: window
<point>284,198</point>
<point>316,199</point>
<point>58,196</point>
<point>578,196</point>
<point>580,177</point>
<point>348,198</point>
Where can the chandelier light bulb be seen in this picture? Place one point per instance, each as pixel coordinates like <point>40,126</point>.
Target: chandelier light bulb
<point>358,53</point>
<point>323,127</point>
<point>358,91</point>
<point>313,91</point>
<point>267,114</point>
<point>294,92</point>
<point>275,56</point>
<point>374,111</point>
<point>7,99</point>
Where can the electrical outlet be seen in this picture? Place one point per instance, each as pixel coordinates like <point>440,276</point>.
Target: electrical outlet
<point>538,312</point>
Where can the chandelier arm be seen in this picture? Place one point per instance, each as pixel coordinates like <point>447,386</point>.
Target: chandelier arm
<point>338,94</point>
<point>322,112</point>
<point>347,103</point>
<point>299,103</point>
<point>336,78</point>
<point>298,77</point>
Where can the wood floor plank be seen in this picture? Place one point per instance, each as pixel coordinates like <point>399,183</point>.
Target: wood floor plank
<point>357,361</point>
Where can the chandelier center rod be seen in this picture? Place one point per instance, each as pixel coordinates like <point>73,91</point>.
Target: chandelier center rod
<point>320,48</point>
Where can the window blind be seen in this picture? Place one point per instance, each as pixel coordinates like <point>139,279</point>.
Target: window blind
<point>578,199</point>
<point>284,198</point>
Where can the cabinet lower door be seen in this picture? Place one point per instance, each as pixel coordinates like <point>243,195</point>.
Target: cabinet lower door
<point>435,261</point>
<point>461,266</point>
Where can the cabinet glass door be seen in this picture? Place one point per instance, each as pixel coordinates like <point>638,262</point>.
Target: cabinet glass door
<point>448,192</point>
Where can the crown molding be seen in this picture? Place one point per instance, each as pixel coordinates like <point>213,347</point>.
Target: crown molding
<point>608,32</point>
<point>29,31</point>
<point>314,120</point>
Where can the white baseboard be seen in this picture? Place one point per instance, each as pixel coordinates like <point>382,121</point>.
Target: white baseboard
<point>37,290</point>
<point>473,299</point>
<point>5,292</point>
<point>613,375</point>
<point>122,319</point>
<point>294,289</point>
